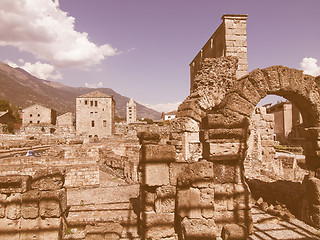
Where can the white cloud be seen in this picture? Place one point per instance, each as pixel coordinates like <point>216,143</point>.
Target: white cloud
<point>41,28</point>
<point>309,66</point>
<point>38,69</point>
<point>163,107</point>
<point>94,85</point>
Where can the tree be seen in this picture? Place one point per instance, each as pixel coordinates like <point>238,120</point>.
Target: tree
<point>5,106</point>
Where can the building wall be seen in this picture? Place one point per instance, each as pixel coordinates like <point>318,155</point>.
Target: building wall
<point>95,116</point>
<point>66,119</point>
<point>230,39</point>
<point>286,118</point>
<point>38,114</point>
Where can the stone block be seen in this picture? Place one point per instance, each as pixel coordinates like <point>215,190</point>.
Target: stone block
<point>148,198</point>
<point>313,190</point>
<point>207,202</point>
<point>236,216</point>
<point>30,210</point>
<point>165,205</point>
<point>219,120</point>
<point>215,150</point>
<point>222,133</point>
<point>157,225</point>
<point>156,174</point>
<point>198,229</point>
<point>109,230</point>
<point>48,181</point>
<point>14,184</point>
<point>49,208</point>
<point>227,173</point>
<point>8,225</point>
<point>236,103</point>
<point>234,232</point>
<point>158,153</point>
<point>3,197</point>
<point>177,170</point>
<point>148,137</point>
<point>13,209</point>
<point>188,203</point>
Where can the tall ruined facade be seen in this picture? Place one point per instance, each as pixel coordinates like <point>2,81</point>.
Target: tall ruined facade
<point>193,187</point>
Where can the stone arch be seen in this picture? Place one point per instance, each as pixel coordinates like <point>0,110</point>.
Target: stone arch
<point>301,89</point>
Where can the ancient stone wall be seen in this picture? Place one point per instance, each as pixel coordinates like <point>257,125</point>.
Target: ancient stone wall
<point>32,207</point>
<point>230,39</point>
<point>189,200</point>
<point>260,157</point>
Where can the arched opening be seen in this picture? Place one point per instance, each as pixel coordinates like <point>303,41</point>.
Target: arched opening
<point>274,166</point>
<point>235,111</point>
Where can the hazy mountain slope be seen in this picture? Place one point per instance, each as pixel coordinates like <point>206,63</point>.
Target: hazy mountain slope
<point>23,89</point>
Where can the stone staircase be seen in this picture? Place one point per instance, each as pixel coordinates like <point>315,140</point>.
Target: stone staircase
<point>102,213</point>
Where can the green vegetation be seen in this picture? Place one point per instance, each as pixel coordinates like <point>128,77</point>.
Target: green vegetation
<point>7,106</point>
<point>118,119</point>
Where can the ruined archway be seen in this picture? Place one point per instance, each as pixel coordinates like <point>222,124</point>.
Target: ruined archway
<point>225,128</point>
<point>292,84</point>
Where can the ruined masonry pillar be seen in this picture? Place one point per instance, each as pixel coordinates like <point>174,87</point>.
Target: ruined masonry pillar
<point>32,207</point>
<point>224,144</point>
<point>157,196</point>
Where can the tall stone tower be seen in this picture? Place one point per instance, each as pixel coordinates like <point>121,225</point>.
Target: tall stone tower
<point>230,39</point>
<point>95,114</point>
<point>131,111</point>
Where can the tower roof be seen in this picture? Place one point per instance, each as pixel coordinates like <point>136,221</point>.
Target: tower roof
<point>95,94</point>
<point>131,102</point>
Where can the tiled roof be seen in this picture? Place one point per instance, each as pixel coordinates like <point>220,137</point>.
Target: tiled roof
<point>95,94</point>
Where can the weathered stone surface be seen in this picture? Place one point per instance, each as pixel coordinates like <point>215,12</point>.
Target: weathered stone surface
<point>207,202</point>
<point>148,137</point>
<point>13,209</point>
<point>198,229</point>
<point>52,181</point>
<point>222,133</point>
<point>156,174</point>
<point>313,190</point>
<point>188,203</point>
<point>234,232</point>
<point>236,103</point>
<point>165,202</point>
<point>14,184</point>
<point>219,120</point>
<point>219,150</point>
<point>157,153</point>
<point>109,230</point>
<point>49,208</point>
<point>157,225</point>
<point>227,173</point>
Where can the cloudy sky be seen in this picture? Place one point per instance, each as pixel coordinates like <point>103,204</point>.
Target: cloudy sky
<point>142,48</point>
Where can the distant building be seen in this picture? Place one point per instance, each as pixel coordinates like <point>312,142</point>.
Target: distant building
<point>38,114</point>
<point>67,119</point>
<point>131,111</point>
<point>288,123</point>
<point>95,114</point>
<point>169,116</point>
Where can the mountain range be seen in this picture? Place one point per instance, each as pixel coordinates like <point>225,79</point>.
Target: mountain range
<point>22,89</point>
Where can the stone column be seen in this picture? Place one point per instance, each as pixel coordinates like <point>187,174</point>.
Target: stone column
<point>157,196</point>
<point>32,208</point>
<point>224,144</point>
